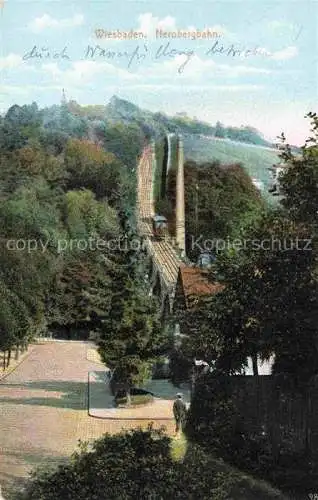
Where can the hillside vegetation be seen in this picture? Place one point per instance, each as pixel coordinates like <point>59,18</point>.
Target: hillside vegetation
<point>255,159</point>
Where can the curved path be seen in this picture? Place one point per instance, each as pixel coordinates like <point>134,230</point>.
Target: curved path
<point>44,410</point>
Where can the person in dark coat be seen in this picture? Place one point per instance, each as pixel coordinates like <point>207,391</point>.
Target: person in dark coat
<point>179,412</point>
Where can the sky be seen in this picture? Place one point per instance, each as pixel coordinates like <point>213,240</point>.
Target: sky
<point>260,68</point>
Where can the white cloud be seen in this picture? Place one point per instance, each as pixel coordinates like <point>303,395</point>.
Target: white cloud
<point>159,76</point>
<point>194,68</point>
<point>52,69</point>
<point>9,90</point>
<point>197,69</point>
<point>191,88</point>
<point>280,55</point>
<point>46,21</point>
<point>146,23</point>
<point>279,25</point>
<point>220,29</point>
<point>23,90</point>
<point>285,54</point>
<point>84,72</point>
<point>235,71</point>
<point>261,51</point>
<point>10,61</point>
<point>149,23</point>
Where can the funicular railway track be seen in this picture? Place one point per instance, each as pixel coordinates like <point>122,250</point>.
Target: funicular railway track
<point>162,251</point>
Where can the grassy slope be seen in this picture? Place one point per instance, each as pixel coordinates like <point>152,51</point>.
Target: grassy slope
<point>255,159</point>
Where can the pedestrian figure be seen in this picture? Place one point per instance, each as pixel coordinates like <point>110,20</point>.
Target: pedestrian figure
<point>179,412</point>
<point>1,497</point>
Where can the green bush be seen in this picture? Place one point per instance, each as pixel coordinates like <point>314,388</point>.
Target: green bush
<point>138,465</point>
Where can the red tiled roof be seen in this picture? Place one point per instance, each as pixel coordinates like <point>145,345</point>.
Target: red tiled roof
<point>195,283</point>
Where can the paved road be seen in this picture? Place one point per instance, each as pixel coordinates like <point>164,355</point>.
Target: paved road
<point>44,410</point>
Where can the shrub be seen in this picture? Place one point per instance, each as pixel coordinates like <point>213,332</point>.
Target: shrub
<point>138,465</point>
<point>136,400</point>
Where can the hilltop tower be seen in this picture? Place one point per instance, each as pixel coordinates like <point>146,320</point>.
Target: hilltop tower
<point>63,100</point>
<point>180,203</point>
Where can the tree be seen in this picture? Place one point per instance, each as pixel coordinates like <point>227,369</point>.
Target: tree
<point>299,182</point>
<point>219,201</point>
<point>30,226</point>
<point>125,142</point>
<point>269,302</point>
<point>15,322</point>
<point>90,167</point>
<point>42,160</point>
<point>219,130</point>
<point>82,288</point>
<point>87,217</point>
<point>132,336</point>
<point>130,370</point>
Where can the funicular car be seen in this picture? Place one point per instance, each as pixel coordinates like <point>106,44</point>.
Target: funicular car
<point>159,226</point>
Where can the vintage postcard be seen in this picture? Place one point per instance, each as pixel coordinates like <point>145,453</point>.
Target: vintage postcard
<point>158,253</point>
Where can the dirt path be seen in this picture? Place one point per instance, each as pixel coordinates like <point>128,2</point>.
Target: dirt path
<point>44,410</point>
